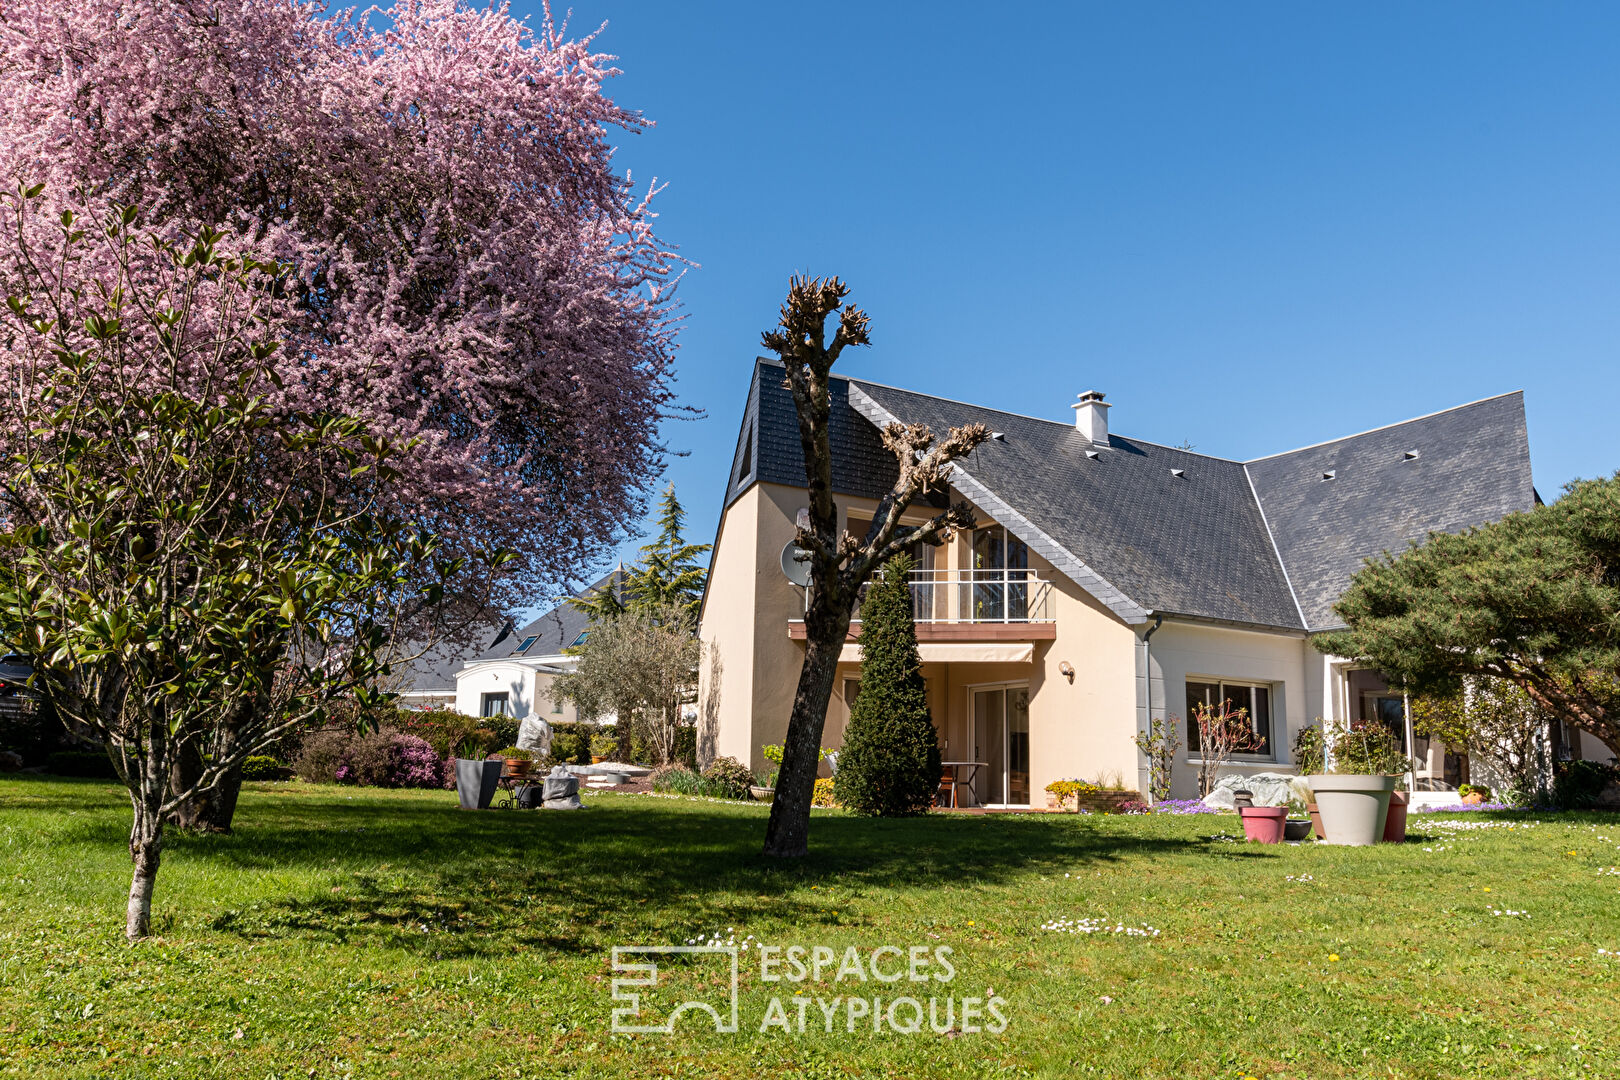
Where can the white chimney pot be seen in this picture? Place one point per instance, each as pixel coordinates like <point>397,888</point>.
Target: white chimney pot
<point>1091,417</point>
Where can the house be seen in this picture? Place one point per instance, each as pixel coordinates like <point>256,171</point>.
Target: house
<point>514,675</point>
<point>1109,579</point>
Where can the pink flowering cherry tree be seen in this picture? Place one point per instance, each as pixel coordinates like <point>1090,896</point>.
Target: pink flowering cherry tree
<point>469,272</point>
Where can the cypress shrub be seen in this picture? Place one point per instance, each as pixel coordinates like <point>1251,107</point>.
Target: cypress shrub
<point>889,765</point>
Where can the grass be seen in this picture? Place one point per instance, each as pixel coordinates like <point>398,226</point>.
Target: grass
<point>361,933</point>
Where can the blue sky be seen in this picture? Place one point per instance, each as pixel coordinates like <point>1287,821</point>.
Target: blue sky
<point>1255,226</point>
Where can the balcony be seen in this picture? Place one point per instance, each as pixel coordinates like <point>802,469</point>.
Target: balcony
<point>973,605</point>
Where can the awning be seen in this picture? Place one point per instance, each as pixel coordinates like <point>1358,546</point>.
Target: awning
<point>957,653</point>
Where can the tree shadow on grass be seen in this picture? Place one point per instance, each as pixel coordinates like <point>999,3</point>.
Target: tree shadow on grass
<point>427,877</point>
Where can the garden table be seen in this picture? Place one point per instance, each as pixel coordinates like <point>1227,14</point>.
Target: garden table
<point>973,768</point>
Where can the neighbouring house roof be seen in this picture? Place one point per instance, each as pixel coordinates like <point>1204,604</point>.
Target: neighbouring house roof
<point>552,632</point>
<point>1149,529</point>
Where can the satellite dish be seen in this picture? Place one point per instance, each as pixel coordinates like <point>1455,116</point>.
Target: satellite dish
<point>796,564</point>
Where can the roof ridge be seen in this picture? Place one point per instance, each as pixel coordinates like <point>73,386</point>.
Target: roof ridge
<point>1288,579</point>
<point>1038,419</point>
<point>1385,427</point>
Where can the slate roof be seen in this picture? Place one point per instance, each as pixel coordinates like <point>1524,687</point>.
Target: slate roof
<point>1472,467</point>
<point>1151,529</point>
<point>554,631</point>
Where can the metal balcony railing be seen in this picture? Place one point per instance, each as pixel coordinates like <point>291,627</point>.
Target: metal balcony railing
<point>979,596</point>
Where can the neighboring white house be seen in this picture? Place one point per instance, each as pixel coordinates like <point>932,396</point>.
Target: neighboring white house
<point>1110,579</point>
<point>514,675</point>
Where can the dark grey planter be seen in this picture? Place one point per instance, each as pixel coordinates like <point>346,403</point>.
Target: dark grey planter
<point>476,782</point>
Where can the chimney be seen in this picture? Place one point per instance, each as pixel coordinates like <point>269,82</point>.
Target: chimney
<point>1091,417</point>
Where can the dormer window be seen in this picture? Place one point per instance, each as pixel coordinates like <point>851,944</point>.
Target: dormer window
<point>526,644</point>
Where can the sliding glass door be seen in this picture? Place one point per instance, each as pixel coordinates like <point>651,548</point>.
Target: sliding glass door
<point>1001,742</point>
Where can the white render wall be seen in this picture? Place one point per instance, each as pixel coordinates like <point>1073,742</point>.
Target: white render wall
<point>1278,659</point>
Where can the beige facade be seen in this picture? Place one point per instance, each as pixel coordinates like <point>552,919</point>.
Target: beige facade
<point>1080,724</point>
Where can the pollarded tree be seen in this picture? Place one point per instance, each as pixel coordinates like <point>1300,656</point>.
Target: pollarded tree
<point>469,271</point>
<point>165,590</point>
<point>889,764</point>
<point>841,563</point>
<point>1532,599</point>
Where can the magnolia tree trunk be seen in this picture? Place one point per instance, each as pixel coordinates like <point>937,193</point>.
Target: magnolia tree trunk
<point>146,830</point>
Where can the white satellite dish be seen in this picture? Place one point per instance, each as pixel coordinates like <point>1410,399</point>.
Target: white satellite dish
<point>796,564</point>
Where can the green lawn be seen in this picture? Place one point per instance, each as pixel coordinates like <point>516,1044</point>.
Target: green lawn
<point>375,934</point>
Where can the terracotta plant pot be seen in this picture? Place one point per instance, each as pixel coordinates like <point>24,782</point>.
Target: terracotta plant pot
<point>1263,824</point>
<point>1473,798</point>
<point>596,759</point>
<point>518,766</point>
<point>1395,824</point>
<point>1354,806</point>
<point>1316,821</point>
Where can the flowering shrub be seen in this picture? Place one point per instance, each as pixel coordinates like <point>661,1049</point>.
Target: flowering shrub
<point>1073,786</point>
<point>822,793</point>
<point>385,758</point>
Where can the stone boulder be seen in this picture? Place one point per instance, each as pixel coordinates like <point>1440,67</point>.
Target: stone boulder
<point>560,790</point>
<point>1269,789</point>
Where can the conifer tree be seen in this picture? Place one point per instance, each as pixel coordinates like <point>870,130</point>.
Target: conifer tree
<point>890,762</point>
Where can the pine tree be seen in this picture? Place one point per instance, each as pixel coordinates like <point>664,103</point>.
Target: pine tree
<point>669,574</point>
<point>890,762</point>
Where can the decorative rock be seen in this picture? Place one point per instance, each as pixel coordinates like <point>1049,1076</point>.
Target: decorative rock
<point>1267,789</point>
<point>560,790</point>
<point>534,734</point>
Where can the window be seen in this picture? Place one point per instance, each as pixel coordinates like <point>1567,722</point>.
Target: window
<point>1254,698</point>
<point>495,705</point>
<point>556,706</point>
<point>746,468</point>
<point>852,690</point>
<point>1000,576</point>
<point>583,634</point>
<point>1387,709</point>
<point>523,647</point>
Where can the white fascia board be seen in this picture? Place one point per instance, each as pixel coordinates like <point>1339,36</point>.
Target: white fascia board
<point>1061,558</point>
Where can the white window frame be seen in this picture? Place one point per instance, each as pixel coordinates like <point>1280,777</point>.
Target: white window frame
<point>1196,756</point>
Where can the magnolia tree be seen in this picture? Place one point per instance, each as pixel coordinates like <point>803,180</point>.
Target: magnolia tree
<point>167,586</point>
<point>840,563</point>
<point>468,272</point>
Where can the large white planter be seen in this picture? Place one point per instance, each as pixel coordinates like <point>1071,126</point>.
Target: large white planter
<point>1353,808</point>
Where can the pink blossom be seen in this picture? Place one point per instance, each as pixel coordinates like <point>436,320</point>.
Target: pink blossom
<point>471,270</point>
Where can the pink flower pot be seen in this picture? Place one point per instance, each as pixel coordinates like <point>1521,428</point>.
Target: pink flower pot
<point>1395,824</point>
<point>1263,824</point>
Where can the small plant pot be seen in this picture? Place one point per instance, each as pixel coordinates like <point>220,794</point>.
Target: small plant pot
<point>518,766</point>
<point>596,759</point>
<point>1316,821</point>
<point>1263,824</point>
<point>1395,824</point>
<point>763,794</point>
<point>1354,807</point>
<point>1296,831</point>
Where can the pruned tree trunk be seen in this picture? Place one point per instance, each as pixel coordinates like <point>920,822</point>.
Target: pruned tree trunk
<point>840,563</point>
<point>787,835</point>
